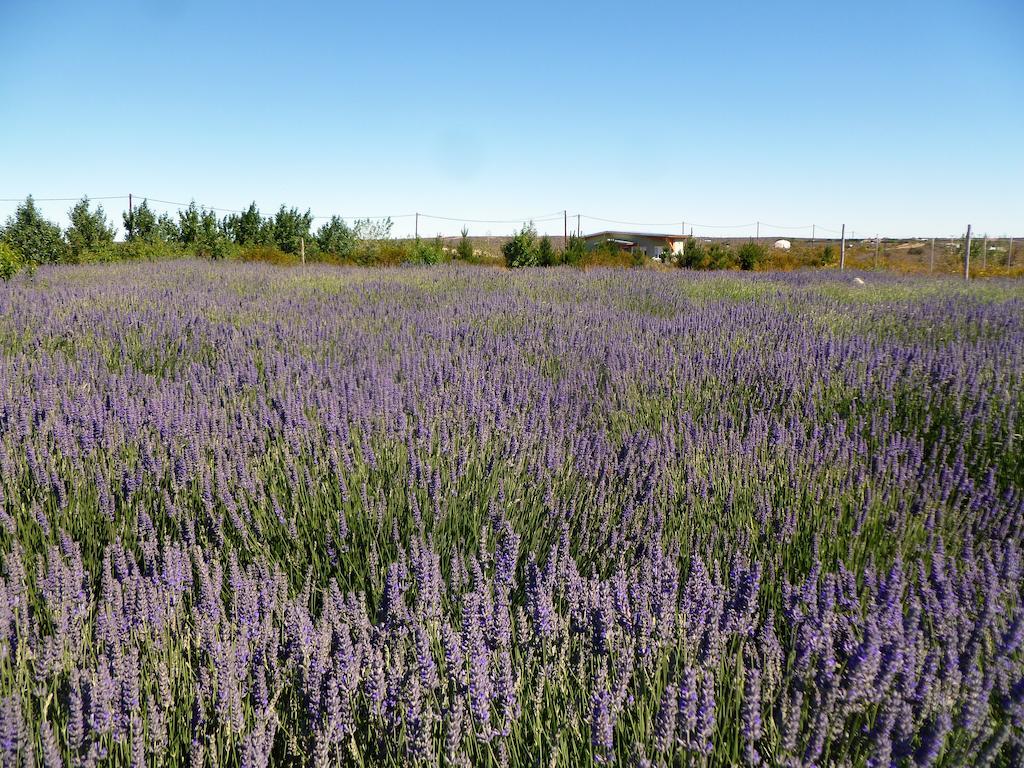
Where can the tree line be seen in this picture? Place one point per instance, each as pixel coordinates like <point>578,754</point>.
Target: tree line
<point>28,239</point>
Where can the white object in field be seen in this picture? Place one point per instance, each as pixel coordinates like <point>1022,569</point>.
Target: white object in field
<point>783,245</point>
<point>858,281</point>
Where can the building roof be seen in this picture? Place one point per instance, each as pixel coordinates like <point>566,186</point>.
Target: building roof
<point>628,236</point>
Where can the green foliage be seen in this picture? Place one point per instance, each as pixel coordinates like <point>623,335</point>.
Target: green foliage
<point>141,224</point>
<point>89,230</point>
<point>10,261</point>
<point>522,249</point>
<point>751,255</point>
<point>33,238</point>
<point>337,238</point>
<point>289,228</point>
<point>167,229</point>
<point>546,255</point>
<point>428,251</point>
<point>464,250</point>
<point>200,232</point>
<point>828,256</point>
<point>575,251</point>
<point>248,227</point>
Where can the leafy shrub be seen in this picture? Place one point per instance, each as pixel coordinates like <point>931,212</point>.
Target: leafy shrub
<point>751,255</point>
<point>10,261</point>
<point>336,238</point>
<point>522,249</point>
<point>427,251</point>
<point>269,254</point>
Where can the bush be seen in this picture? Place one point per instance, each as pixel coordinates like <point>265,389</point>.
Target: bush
<point>427,251</point>
<point>33,238</point>
<point>751,255</point>
<point>464,250</point>
<point>575,251</point>
<point>522,249</point>
<point>89,231</point>
<point>336,238</point>
<point>10,261</point>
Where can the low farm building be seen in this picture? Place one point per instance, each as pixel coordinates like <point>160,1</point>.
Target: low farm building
<point>653,245</point>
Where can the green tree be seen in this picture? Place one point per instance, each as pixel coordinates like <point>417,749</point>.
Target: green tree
<point>141,224</point>
<point>33,238</point>
<point>336,237</point>
<point>751,255</point>
<point>199,231</point>
<point>289,227</point>
<point>693,255</point>
<point>522,250</point>
<point>464,250</point>
<point>546,252</point>
<point>167,230</point>
<point>89,229</point>
<point>247,228</point>
<point>575,251</point>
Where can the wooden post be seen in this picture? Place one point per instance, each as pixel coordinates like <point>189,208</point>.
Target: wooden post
<point>984,252</point>
<point>757,233</point>
<point>842,249</point>
<point>931,260</point>
<point>302,249</point>
<point>565,230</point>
<point>967,255</point>
<point>1009,253</point>
<point>812,234</point>
<point>417,226</point>
<point>579,230</point>
<point>877,242</point>
<point>131,217</point>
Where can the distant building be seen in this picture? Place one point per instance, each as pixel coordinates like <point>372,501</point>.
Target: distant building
<point>653,245</point>
<point>783,245</point>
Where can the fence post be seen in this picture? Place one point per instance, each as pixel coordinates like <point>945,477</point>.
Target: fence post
<point>931,262</point>
<point>1009,253</point>
<point>302,249</point>
<point>967,255</point>
<point>842,249</point>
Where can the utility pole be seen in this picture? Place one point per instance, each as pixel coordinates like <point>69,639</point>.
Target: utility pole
<point>967,255</point>
<point>417,225</point>
<point>931,261</point>
<point>842,249</point>
<point>131,217</point>
<point>565,229</point>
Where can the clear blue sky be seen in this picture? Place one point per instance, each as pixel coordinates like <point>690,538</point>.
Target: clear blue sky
<point>895,117</point>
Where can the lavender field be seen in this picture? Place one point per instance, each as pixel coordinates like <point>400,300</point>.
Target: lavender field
<point>452,516</point>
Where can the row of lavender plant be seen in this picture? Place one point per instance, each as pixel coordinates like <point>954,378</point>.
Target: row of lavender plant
<point>465,517</point>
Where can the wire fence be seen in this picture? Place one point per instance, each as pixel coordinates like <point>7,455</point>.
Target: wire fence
<point>861,248</point>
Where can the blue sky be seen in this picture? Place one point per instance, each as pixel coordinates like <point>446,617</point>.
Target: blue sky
<point>896,117</point>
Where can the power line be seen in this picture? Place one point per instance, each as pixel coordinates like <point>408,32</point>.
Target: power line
<point>545,217</point>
